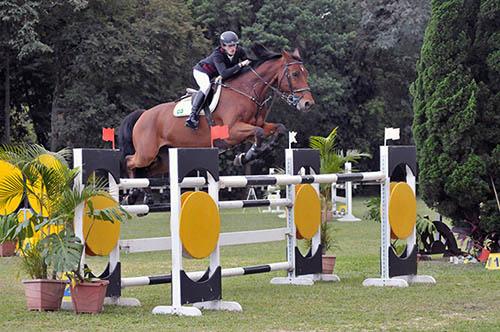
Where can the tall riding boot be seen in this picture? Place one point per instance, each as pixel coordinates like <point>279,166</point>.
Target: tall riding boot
<point>193,120</point>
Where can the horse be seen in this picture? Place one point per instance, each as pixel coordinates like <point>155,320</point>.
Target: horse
<point>144,134</point>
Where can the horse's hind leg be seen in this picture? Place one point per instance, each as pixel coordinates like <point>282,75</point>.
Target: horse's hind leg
<point>159,166</point>
<point>130,166</point>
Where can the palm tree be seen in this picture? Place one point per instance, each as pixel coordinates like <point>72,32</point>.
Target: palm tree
<point>332,160</point>
<point>46,181</point>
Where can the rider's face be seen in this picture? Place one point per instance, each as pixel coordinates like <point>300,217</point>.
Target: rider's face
<point>230,49</point>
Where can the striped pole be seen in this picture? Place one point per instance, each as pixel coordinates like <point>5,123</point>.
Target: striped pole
<point>195,276</point>
<point>239,181</point>
<point>285,179</point>
<point>188,182</point>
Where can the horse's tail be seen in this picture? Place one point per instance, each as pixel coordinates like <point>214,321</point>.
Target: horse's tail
<point>125,133</point>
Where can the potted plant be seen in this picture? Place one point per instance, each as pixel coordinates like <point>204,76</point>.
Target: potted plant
<point>7,243</point>
<point>47,182</point>
<point>87,294</point>
<point>332,160</point>
<point>327,243</point>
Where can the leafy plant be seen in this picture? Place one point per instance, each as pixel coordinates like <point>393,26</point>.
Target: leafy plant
<point>48,182</point>
<point>373,206</point>
<point>6,223</point>
<point>424,226</point>
<point>33,262</point>
<point>332,160</point>
<point>326,240</point>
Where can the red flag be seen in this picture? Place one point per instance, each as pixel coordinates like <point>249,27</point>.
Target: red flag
<point>485,253</point>
<point>108,135</point>
<point>221,132</point>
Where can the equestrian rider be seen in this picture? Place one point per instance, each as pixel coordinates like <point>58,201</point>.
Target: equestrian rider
<point>226,61</point>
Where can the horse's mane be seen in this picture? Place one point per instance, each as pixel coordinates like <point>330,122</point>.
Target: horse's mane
<point>260,54</point>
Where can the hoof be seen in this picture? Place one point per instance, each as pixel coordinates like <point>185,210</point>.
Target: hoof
<point>239,160</point>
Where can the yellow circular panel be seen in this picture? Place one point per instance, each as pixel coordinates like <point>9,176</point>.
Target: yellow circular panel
<point>199,224</point>
<point>307,211</point>
<point>184,196</point>
<point>101,236</point>
<point>38,189</point>
<point>11,181</point>
<point>402,210</point>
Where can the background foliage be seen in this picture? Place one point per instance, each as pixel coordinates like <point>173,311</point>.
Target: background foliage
<point>71,67</point>
<point>457,98</point>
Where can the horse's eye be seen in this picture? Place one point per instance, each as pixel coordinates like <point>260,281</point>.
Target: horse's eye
<point>295,74</point>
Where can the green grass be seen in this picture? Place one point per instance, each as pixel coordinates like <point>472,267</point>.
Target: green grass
<point>465,298</point>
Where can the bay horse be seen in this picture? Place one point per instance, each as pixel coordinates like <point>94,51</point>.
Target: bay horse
<point>241,107</point>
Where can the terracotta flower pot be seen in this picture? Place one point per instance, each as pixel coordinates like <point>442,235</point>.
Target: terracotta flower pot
<point>8,248</point>
<point>44,295</point>
<point>328,264</point>
<point>88,297</point>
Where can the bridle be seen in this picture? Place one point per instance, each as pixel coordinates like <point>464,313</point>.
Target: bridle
<point>291,99</point>
<point>290,96</point>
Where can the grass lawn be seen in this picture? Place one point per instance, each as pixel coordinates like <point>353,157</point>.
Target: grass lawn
<point>465,298</point>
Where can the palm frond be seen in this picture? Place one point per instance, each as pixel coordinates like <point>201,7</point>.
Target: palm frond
<point>11,187</point>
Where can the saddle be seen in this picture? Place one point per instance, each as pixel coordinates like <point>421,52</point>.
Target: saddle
<point>183,104</point>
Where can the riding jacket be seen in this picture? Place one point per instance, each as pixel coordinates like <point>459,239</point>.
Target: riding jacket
<point>219,63</point>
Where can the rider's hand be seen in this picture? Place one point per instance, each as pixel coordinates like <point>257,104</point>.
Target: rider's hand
<point>244,63</point>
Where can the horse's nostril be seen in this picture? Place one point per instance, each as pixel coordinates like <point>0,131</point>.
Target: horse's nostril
<point>307,104</point>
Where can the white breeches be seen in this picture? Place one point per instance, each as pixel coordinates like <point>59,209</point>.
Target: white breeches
<point>203,81</point>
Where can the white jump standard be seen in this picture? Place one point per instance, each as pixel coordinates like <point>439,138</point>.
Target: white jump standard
<point>398,214</point>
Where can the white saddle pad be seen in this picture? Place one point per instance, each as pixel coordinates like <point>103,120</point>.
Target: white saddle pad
<point>183,107</point>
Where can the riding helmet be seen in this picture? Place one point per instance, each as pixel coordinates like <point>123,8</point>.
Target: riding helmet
<point>229,38</point>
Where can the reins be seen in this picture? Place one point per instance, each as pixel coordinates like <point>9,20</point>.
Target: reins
<point>290,98</point>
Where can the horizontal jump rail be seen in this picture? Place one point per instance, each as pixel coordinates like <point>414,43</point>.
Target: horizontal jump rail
<point>188,182</point>
<point>195,276</point>
<point>284,179</point>
<point>145,209</point>
<point>240,181</point>
<point>223,205</point>
<point>225,239</point>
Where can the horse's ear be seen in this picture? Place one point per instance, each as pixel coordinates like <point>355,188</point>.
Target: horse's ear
<point>296,54</point>
<point>285,55</point>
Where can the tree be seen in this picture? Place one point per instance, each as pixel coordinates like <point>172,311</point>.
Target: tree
<point>19,40</point>
<point>218,16</point>
<point>456,102</point>
<point>116,56</point>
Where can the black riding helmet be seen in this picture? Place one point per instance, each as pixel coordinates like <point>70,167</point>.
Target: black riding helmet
<point>229,38</point>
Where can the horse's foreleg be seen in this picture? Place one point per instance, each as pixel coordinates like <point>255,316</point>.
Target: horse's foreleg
<point>259,149</point>
<point>240,132</point>
<point>275,131</point>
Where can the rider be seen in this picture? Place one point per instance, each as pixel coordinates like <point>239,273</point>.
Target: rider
<point>226,61</point>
